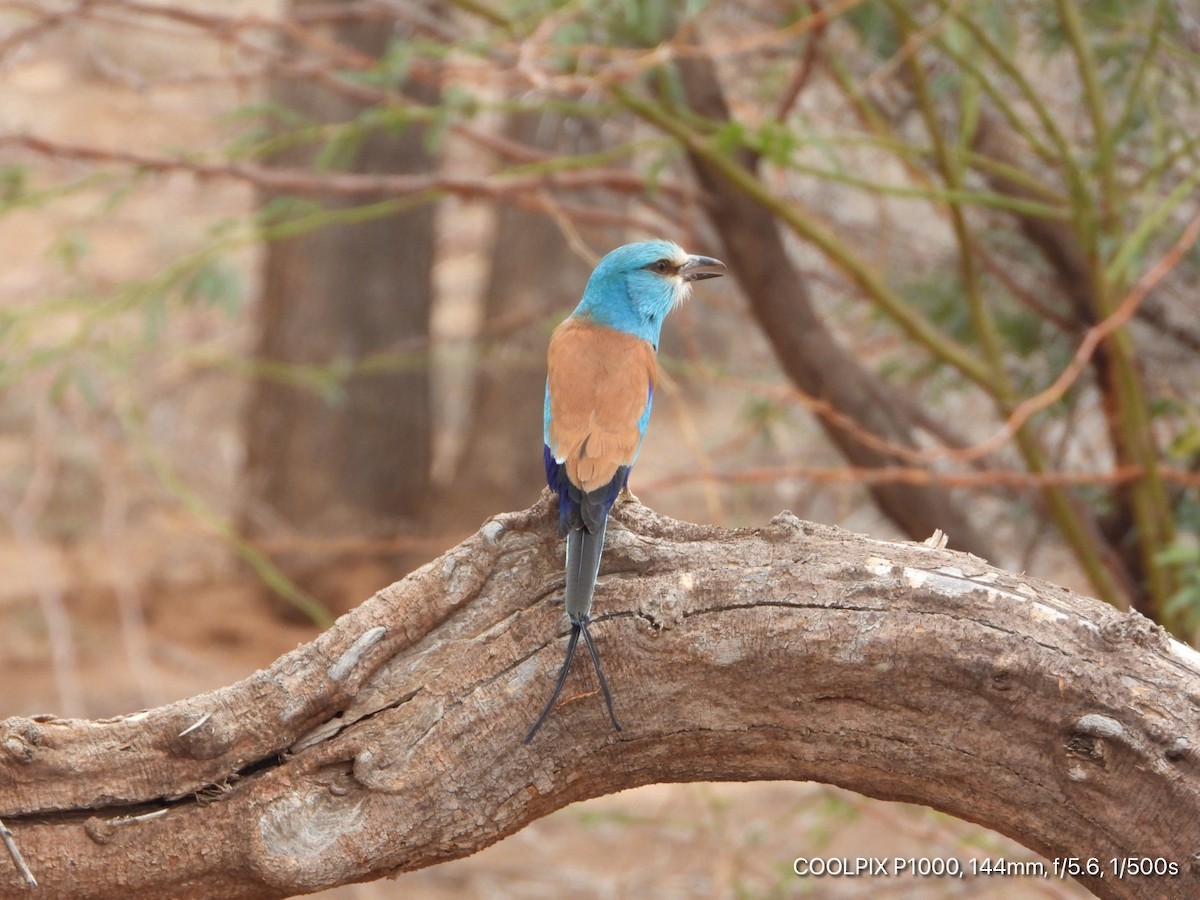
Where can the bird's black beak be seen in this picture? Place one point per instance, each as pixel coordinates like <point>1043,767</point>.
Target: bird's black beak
<point>699,267</point>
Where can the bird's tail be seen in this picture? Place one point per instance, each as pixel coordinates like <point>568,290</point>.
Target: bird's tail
<point>577,628</point>
<point>562,679</point>
<point>584,549</point>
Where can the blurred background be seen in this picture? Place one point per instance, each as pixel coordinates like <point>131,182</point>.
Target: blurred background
<point>276,281</point>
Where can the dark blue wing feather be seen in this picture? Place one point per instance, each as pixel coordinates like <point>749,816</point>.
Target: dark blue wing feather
<point>578,508</point>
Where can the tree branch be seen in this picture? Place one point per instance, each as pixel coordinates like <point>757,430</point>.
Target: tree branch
<point>306,181</point>
<point>808,352</point>
<point>793,651</point>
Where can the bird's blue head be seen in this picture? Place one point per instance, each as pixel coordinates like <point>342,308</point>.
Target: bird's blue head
<point>634,287</point>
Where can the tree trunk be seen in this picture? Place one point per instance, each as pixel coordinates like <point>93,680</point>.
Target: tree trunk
<point>807,351</point>
<point>501,466</point>
<point>353,298</point>
<point>793,651</point>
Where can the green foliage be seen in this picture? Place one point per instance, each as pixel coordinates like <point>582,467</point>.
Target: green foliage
<point>882,169</point>
<point>14,182</point>
<point>876,29</point>
<point>642,23</point>
<point>957,64</point>
<point>214,282</point>
<point>1185,446</point>
<point>764,417</point>
<point>1184,605</point>
<point>70,249</point>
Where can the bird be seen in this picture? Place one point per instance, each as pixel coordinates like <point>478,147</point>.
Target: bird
<point>602,367</point>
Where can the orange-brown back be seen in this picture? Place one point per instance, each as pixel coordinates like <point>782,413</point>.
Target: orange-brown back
<point>599,385</point>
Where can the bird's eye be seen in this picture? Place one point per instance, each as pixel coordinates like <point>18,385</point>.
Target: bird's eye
<point>662,267</point>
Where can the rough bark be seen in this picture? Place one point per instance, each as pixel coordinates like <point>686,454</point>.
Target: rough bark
<point>807,350</point>
<point>792,651</point>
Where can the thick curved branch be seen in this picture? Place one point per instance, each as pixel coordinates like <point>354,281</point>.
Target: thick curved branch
<point>794,651</point>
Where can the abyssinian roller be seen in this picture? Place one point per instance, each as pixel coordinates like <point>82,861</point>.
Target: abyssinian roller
<point>602,369</point>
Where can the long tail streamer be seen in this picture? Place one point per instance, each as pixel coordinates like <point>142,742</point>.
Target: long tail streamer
<point>576,629</point>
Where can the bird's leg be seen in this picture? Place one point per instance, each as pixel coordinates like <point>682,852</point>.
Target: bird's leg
<point>587,639</point>
<point>562,679</point>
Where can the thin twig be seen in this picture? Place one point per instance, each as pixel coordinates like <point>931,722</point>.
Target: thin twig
<point>1091,340</point>
<point>305,181</point>
<point>1028,407</point>
<point>113,527</point>
<point>23,517</point>
<point>804,68</point>
<point>1000,478</point>
<point>15,852</point>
